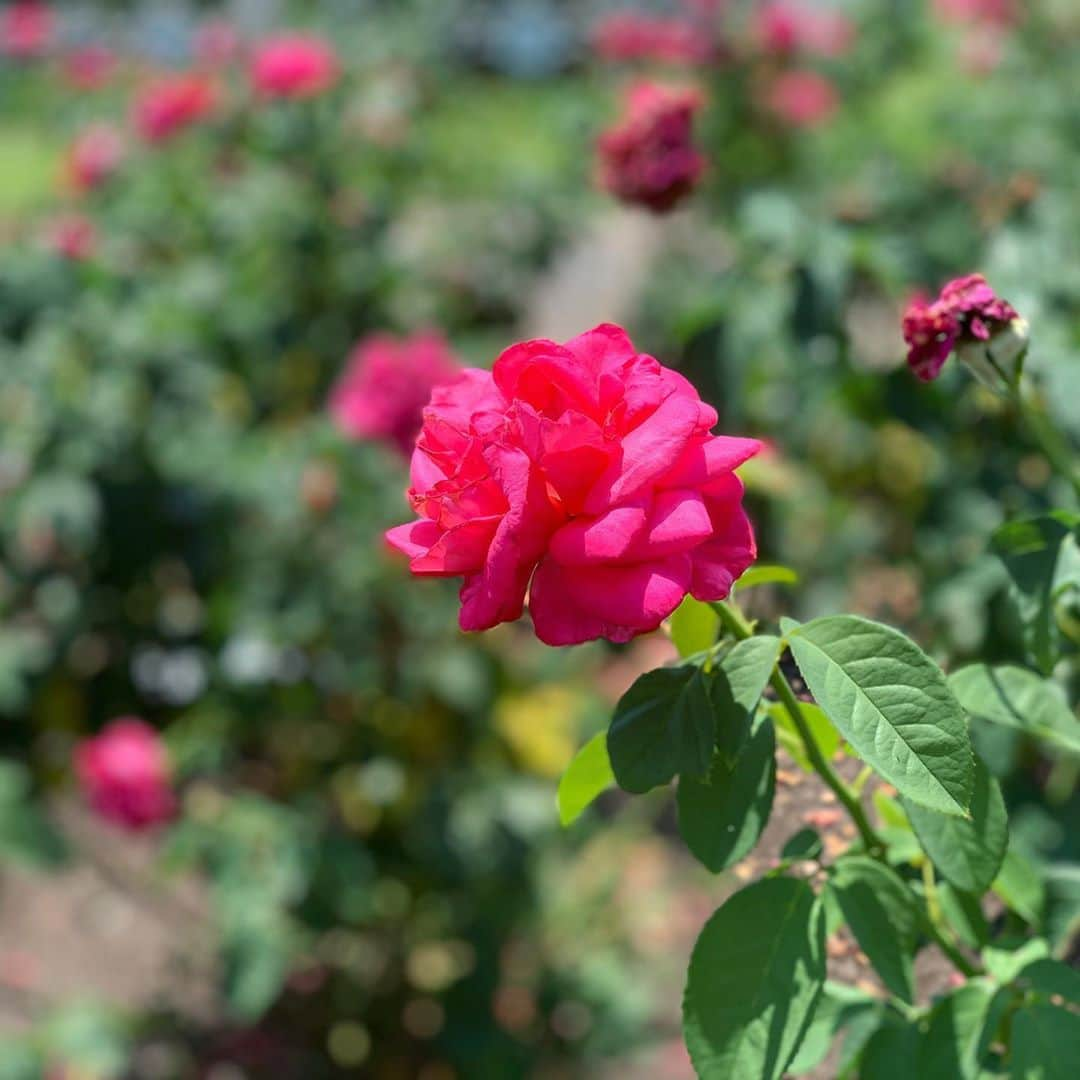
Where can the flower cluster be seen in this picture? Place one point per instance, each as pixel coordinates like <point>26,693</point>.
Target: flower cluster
<point>293,66</point>
<point>125,776</point>
<point>386,384</point>
<point>966,311</point>
<point>585,475</point>
<point>649,157</point>
<point>167,106</point>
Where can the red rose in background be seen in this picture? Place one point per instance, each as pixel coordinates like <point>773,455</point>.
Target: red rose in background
<point>386,384</point>
<point>649,158</point>
<point>124,774</point>
<point>93,157</point>
<point>26,29</point>
<point>167,106</point>
<point>294,66</point>
<point>785,27</point>
<point>90,67</point>
<point>802,99</point>
<point>966,310</point>
<point>584,474</point>
<point>72,236</point>
<point>631,36</point>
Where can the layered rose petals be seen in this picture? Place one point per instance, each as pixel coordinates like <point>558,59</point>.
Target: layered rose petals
<point>583,475</point>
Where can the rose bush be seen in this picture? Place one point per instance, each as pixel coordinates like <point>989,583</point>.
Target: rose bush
<point>584,474</point>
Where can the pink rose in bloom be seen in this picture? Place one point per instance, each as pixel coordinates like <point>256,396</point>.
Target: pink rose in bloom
<point>93,157</point>
<point>26,29</point>
<point>72,236</point>
<point>785,27</point>
<point>294,66</point>
<point>124,774</point>
<point>649,157</point>
<point>90,67</point>
<point>584,474</point>
<point>386,384</point>
<point>630,36</point>
<point>967,310</point>
<point>216,44</point>
<point>802,99</point>
<point>170,104</point>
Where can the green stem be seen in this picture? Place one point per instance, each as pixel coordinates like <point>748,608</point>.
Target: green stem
<point>1053,445</point>
<point>935,925</point>
<point>734,621</point>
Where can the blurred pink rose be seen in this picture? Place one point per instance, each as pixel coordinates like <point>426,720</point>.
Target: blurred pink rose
<point>802,99</point>
<point>584,473</point>
<point>649,157</point>
<point>89,67</point>
<point>170,104</point>
<point>93,157</point>
<point>72,236</point>
<point>623,36</point>
<point>386,383</point>
<point>785,27</point>
<point>294,66</point>
<point>26,29</point>
<point>125,776</point>
<point>995,12</point>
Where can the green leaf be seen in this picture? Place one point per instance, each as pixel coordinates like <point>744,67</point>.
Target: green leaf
<point>825,735</point>
<point>767,575</point>
<point>882,915</point>
<point>1017,698</point>
<point>1045,1043</point>
<point>585,778</point>
<point>968,851</point>
<point>1006,964</point>
<point>1046,976</point>
<point>1042,559</point>
<point>949,1050</point>
<point>837,1007</point>
<point>891,1052</point>
<point>965,915</point>
<point>663,725</point>
<point>27,837</point>
<point>737,688</point>
<point>892,704</point>
<point>256,962</point>
<point>722,816</point>
<point>1021,886</point>
<point>693,627</point>
<point>805,844</point>
<point>755,976</point>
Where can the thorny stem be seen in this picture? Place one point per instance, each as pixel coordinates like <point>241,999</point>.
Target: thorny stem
<point>734,621</point>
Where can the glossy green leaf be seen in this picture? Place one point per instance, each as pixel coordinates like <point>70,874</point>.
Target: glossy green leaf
<point>1045,1043</point>
<point>755,976</point>
<point>892,704</point>
<point>968,851</point>
<point>949,1049</point>
<point>767,575</point>
<point>585,778</point>
<point>837,1008</point>
<point>663,725</point>
<point>1017,698</point>
<point>736,689</point>
<point>693,627</point>
<point>825,735</point>
<point>722,815</point>
<point>881,912</point>
<point>1042,558</point>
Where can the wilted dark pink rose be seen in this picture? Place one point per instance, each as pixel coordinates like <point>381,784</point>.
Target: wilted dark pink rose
<point>294,66</point>
<point>89,67</point>
<point>125,776</point>
<point>26,29</point>
<point>585,475</point>
<point>216,44</point>
<point>93,158</point>
<point>649,157</point>
<point>994,12</point>
<point>624,36</point>
<point>72,236</point>
<point>967,310</point>
<point>167,106</point>
<point>386,383</point>
<point>802,99</point>
<point>785,27</point>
